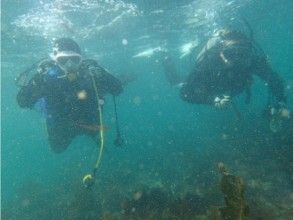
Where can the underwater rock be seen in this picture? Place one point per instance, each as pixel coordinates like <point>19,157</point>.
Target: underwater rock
<point>214,213</point>
<point>155,203</point>
<point>84,206</point>
<point>109,216</point>
<point>262,208</point>
<point>188,206</point>
<point>145,201</point>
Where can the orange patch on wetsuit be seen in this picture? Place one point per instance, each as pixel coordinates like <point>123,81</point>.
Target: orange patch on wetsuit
<point>93,127</point>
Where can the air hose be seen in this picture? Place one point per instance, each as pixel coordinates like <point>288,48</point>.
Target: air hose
<point>89,179</point>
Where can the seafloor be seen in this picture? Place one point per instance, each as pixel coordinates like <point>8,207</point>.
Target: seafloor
<point>261,161</point>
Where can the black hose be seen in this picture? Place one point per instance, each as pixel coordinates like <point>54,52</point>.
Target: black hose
<point>118,141</point>
<point>237,111</point>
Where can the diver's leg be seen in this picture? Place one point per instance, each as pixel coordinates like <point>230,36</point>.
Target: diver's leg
<point>96,139</point>
<point>195,94</point>
<point>170,71</point>
<point>59,138</point>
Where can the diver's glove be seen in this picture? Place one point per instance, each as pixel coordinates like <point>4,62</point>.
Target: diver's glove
<point>278,115</point>
<point>281,110</point>
<point>222,101</point>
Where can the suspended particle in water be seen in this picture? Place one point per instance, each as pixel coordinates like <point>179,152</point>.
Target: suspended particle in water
<point>101,102</point>
<point>137,100</point>
<point>141,166</point>
<point>224,137</point>
<point>25,203</point>
<point>137,195</point>
<point>155,97</point>
<point>124,41</point>
<point>82,95</point>
<point>285,113</point>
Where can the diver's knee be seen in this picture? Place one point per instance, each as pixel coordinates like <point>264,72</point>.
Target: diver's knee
<point>58,149</point>
<point>58,145</point>
<point>193,98</point>
<point>185,95</point>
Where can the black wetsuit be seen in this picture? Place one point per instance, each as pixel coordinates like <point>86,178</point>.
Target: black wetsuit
<point>70,105</point>
<point>226,66</point>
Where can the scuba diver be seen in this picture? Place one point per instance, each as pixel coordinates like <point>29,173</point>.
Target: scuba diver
<point>68,89</point>
<point>224,69</point>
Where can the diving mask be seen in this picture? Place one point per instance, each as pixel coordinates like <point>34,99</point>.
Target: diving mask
<point>68,61</point>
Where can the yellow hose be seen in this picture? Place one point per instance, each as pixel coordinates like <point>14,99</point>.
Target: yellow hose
<point>101,138</point>
<point>101,125</point>
<point>89,179</point>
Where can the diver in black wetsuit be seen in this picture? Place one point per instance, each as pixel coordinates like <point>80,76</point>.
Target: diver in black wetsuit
<point>64,88</point>
<point>224,69</point>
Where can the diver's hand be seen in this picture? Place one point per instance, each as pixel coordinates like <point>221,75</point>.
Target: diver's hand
<point>127,78</point>
<point>180,85</point>
<point>279,116</point>
<point>222,102</point>
<point>281,111</point>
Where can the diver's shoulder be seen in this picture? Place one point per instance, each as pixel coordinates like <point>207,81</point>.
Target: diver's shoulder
<point>89,63</point>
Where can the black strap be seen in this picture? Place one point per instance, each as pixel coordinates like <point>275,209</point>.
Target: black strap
<point>118,141</point>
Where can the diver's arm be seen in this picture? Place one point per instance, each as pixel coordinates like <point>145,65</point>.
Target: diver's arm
<point>108,83</point>
<point>105,82</point>
<point>196,96</point>
<point>127,78</point>
<point>274,81</point>
<point>195,90</point>
<point>170,72</point>
<point>29,94</point>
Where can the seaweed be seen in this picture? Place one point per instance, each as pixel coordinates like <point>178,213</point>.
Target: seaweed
<point>233,189</point>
